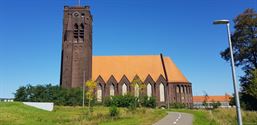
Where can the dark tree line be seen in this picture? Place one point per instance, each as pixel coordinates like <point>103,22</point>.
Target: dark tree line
<point>49,93</point>
<point>244,41</point>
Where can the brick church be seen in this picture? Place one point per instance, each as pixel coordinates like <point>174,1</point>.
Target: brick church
<point>114,74</point>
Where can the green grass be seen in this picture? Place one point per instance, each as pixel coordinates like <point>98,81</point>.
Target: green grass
<point>219,116</point>
<point>18,114</point>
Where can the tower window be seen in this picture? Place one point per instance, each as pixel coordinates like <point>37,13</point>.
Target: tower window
<point>81,31</point>
<point>78,32</point>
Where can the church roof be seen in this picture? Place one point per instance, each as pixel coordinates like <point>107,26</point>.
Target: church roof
<point>130,66</point>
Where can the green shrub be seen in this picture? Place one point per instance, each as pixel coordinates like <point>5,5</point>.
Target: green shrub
<point>113,111</point>
<point>146,101</point>
<point>107,101</point>
<point>121,101</point>
<point>215,104</point>
<point>178,105</point>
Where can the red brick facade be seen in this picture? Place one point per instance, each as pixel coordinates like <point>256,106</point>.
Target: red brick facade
<point>78,65</point>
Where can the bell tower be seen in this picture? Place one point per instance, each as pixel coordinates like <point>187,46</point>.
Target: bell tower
<point>76,60</point>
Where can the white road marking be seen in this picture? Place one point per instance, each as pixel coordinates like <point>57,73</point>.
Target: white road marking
<point>179,116</point>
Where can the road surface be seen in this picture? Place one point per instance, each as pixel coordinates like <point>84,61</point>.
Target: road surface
<point>176,118</point>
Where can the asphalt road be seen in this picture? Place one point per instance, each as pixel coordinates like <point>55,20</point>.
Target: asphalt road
<point>176,118</point>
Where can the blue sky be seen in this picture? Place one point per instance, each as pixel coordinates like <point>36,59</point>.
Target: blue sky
<point>31,36</point>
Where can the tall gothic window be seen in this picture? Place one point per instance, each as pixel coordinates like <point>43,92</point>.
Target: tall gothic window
<point>81,32</point>
<point>76,31</point>
<point>177,89</point>
<point>182,89</point>
<point>99,93</point>
<point>111,90</point>
<point>149,90</point>
<point>124,89</point>
<point>136,90</point>
<point>162,97</point>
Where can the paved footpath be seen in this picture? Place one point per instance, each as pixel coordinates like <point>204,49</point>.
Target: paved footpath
<point>176,118</point>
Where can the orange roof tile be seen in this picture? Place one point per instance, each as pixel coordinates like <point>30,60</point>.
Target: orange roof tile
<point>130,66</point>
<point>225,98</point>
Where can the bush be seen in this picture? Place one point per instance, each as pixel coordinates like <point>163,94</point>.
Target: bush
<point>113,111</point>
<point>215,104</point>
<point>107,101</point>
<point>146,101</point>
<point>121,101</point>
<point>49,93</point>
<point>178,105</point>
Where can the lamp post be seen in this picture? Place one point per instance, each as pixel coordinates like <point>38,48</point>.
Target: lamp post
<point>83,51</point>
<point>238,110</point>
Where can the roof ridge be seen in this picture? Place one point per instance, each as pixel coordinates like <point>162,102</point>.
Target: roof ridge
<point>122,55</point>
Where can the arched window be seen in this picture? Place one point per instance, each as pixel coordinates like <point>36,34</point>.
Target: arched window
<point>162,97</point>
<point>136,90</point>
<point>177,89</point>
<point>111,90</point>
<point>99,93</point>
<point>76,31</point>
<point>149,90</point>
<point>81,31</point>
<point>124,89</point>
<point>182,89</point>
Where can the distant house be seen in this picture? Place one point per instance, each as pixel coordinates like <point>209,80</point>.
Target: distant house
<point>224,100</point>
<point>6,99</point>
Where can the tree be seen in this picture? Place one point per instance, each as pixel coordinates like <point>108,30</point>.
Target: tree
<point>244,42</point>
<point>141,86</point>
<point>20,94</point>
<point>91,86</point>
<point>49,93</point>
<point>205,101</point>
<point>215,104</point>
<point>249,89</point>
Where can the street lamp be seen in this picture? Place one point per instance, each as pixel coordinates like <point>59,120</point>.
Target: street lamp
<point>83,51</point>
<point>239,117</point>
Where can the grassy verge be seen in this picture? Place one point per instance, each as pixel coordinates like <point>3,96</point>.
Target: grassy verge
<point>219,116</point>
<point>18,114</point>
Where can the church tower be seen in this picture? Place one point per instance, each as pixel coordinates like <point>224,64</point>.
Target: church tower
<point>76,60</point>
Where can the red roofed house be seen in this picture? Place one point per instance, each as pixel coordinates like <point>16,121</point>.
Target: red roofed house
<point>224,100</point>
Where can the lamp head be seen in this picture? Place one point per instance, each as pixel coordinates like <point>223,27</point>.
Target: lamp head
<point>221,22</point>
